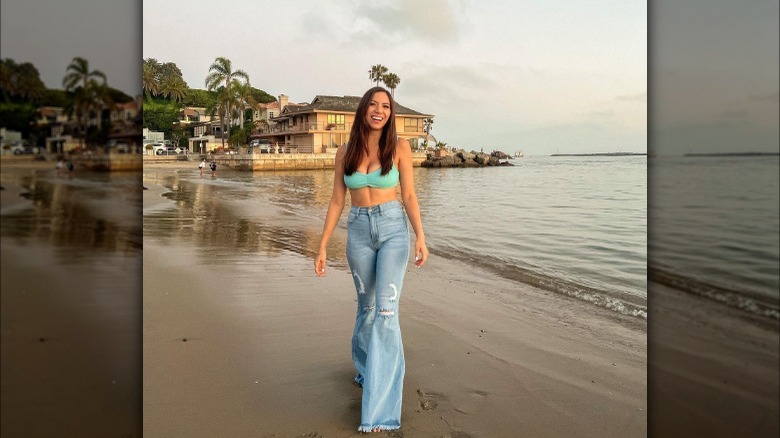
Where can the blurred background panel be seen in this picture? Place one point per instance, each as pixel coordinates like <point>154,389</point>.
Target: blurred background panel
<point>70,212</point>
<point>713,219</point>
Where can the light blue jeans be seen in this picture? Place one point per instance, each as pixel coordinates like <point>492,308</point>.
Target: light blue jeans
<point>377,251</point>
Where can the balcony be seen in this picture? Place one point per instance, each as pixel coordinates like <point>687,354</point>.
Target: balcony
<point>308,127</point>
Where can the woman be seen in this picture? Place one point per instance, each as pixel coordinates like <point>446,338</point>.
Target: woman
<point>371,165</point>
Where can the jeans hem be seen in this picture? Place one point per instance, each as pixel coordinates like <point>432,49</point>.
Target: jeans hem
<point>371,428</point>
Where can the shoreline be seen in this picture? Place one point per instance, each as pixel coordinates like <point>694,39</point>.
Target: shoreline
<point>487,361</point>
<point>267,340</point>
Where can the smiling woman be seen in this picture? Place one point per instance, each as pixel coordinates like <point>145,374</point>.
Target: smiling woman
<point>371,167</point>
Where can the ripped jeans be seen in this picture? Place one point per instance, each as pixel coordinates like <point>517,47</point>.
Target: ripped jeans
<point>378,251</point>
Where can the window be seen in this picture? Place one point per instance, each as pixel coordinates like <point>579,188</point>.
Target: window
<point>411,124</point>
<point>270,114</point>
<point>336,118</point>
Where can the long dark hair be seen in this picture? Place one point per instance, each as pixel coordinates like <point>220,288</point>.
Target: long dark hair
<point>359,133</point>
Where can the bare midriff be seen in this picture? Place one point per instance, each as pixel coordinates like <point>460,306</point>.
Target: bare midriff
<point>369,196</point>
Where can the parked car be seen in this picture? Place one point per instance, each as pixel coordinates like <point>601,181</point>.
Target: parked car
<point>165,150</point>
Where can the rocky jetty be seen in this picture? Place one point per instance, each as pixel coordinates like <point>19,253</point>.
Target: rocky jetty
<point>461,158</point>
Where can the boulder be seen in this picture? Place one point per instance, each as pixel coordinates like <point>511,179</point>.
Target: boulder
<point>482,159</point>
<point>493,161</point>
<point>465,156</point>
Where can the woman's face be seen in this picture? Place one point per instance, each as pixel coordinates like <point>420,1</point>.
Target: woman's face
<point>378,111</point>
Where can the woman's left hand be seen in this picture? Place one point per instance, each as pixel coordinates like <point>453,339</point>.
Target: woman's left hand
<point>420,253</point>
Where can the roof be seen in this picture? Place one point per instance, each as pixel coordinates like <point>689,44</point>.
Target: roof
<point>347,104</point>
<point>270,105</point>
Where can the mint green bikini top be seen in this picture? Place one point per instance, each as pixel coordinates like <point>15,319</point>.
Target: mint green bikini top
<point>373,179</point>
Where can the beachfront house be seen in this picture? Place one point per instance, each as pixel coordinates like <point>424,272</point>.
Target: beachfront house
<point>124,120</point>
<point>324,124</point>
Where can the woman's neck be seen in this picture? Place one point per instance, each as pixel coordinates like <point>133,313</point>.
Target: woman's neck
<point>373,138</point>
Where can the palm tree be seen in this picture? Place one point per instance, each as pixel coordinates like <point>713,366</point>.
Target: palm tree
<point>428,125</point>
<point>27,82</point>
<point>21,80</point>
<point>244,98</point>
<point>219,108</point>
<point>174,88</point>
<point>8,69</point>
<point>391,80</point>
<point>99,98</point>
<point>150,77</point>
<point>221,72</point>
<point>78,73</point>
<point>377,72</point>
<point>79,79</point>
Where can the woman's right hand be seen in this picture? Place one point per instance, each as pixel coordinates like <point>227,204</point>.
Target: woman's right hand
<point>319,263</point>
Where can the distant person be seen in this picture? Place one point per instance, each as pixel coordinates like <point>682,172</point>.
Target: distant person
<point>371,166</point>
<point>213,168</point>
<point>202,166</point>
<point>71,167</point>
<point>59,166</point>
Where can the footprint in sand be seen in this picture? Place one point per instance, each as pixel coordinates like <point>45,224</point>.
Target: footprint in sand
<point>311,435</point>
<point>429,401</point>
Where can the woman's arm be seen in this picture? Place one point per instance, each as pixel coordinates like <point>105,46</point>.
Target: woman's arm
<point>335,208</point>
<point>409,197</point>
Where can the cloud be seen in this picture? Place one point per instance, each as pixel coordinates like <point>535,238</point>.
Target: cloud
<point>431,21</point>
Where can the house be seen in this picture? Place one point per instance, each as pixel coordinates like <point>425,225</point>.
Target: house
<point>60,128</point>
<point>324,124</point>
<point>269,111</point>
<point>126,120</point>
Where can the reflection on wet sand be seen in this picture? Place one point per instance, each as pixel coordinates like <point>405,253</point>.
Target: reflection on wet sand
<point>266,214</point>
<point>71,304</point>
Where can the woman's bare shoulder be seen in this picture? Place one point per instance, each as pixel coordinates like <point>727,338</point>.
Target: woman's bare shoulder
<point>402,146</point>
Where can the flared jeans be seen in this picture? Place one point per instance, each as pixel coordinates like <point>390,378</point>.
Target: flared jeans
<point>378,251</point>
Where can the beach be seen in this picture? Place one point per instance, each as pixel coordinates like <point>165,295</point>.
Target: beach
<point>712,370</point>
<point>242,339</point>
<point>70,302</point>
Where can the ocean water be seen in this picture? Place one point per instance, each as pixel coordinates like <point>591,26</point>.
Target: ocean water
<point>571,225</point>
<point>715,229</point>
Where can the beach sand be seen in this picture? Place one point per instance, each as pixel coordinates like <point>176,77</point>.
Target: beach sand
<point>70,348</point>
<point>713,369</point>
<point>484,357</point>
<point>254,344</point>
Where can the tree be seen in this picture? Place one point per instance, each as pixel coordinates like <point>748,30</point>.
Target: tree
<point>199,98</point>
<point>173,87</point>
<point>160,116</point>
<point>78,73</point>
<point>261,96</point>
<point>391,80</point>
<point>376,73</point>
<point>428,125</point>
<point>21,80</point>
<point>83,82</point>
<point>245,98</point>
<point>164,80</point>
<point>219,108</point>
<point>150,77</point>
<point>221,72</point>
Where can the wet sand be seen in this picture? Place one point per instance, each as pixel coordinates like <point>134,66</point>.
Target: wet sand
<point>244,340</point>
<point>70,306</point>
<point>713,369</point>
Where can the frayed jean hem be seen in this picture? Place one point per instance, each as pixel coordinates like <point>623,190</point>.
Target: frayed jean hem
<point>371,428</point>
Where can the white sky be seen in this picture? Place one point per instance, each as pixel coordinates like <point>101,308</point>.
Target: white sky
<point>541,76</point>
<point>51,33</point>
